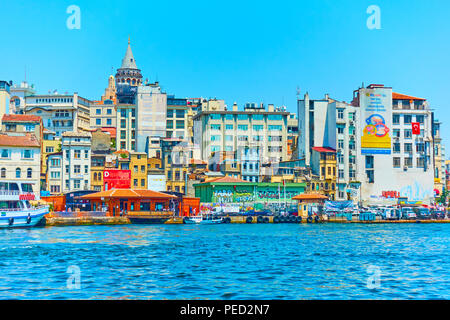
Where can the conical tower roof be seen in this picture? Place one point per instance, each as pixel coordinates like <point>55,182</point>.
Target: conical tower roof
<point>128,61</point>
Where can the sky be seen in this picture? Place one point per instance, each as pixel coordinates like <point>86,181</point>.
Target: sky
<point>239,51</point>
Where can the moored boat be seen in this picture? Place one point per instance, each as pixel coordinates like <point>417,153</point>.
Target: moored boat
<point>15,208</point>
<point>202,219</point>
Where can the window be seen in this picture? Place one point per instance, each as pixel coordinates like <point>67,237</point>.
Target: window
<point>340,113</point>
<point>180,124</point>
<point>142,182</point>
<point>408,162</point>
<point>242,117</point>
<point>229,117</point>
<point>77,154</point>
<point>5,153</point>
<point>49,149</point>
<point>98,111</point>
<point>123,123</point>
<point>76,168</point>
<point>396,119</point>
<point>408,134</point>
<point>108,111</point>
<point>67,184</point>
<point>228,138</point>
<point>180,113</point>
<point>396,133</point>
<point>420,162</point>
<point>29,173</point>
<point>3,173</point>
<point>340,144</point>
<point>229,127</point>
<point>420,147</point>
<point>369,162</point>
<point>135,182</point>
<point>258,117</point>
<point>27,154</point>
<point>243,127</point>
<point>215,127</point>
<point>215,116</point>
<point>420,118</point>
<point>216,137</point>
<point>18,172</point>
<point>86,169</point>
<point>274,117</point>
<point>29,127</point>
<point>258,127</point>
<point>67,169</point>
<point>98,122</point>
<point>108,122</point>
<point>396,147</point>
<point>76,184</point>
<point>340,129</point>
<point>170,113</point>
<point>407,118</point>
<point>408,147</point>
<point>341,173</point>
<point>396,162</point>
<point>274,127</point>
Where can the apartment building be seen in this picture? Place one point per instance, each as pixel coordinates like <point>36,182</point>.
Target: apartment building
<point>18,94</point>
<point>438,159</point>
<point>60,113</point>
<point>4,98</point>
<point>76,161</point>
<point>255,127</point>
<point>20,159</point>
<point>103,114</point>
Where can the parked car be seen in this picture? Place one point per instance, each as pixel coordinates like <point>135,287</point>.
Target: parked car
<point>424,213</point>
<point>391,214</point>
<point>408,213</point>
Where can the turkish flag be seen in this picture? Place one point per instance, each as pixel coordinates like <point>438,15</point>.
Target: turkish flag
<point>415,127</point>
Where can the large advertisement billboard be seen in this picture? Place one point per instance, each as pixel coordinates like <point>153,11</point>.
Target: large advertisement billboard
<point>376,112</point>
<point>156,182</point>
<point>117,179</point>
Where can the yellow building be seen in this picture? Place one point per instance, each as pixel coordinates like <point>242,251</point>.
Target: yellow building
<point>323,164</point>
<point>98,163</point>
<point>49,145</point>
<point>138,167</point>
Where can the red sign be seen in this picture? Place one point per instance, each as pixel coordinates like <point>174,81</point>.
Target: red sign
<point>391,194</point>
<point>415,127</point>
<point>116,179</point>
<point>27,196</point>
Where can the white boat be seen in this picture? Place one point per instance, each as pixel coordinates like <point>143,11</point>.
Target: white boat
<point>202,219</point>
<point>15,208</point>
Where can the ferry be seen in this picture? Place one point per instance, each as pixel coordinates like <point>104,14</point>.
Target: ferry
<point>202,219</point>
<point>15,208</point>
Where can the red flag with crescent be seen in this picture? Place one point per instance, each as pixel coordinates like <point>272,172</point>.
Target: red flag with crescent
<point>415,127</point>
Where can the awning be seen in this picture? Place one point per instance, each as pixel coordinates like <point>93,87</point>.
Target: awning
<point>437,192</point>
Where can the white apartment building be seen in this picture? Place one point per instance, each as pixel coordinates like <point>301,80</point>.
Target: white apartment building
<point>54,173</point>
<point>76,161</point>
<point>103,115</point>
<point>379,159</point>
<point>18,94</point>
<point>60,113</point>
<point>230,131</point>
<point>20,159</point>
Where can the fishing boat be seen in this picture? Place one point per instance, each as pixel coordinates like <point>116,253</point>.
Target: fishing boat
<point>202,219</point>
<point>15,208</point>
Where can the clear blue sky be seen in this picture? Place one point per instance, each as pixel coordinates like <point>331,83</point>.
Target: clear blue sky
<point>242,51</point>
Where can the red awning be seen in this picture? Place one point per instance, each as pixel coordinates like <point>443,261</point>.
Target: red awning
<point>437,192</point>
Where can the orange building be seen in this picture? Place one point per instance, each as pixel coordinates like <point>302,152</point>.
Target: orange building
<point>118,201</point>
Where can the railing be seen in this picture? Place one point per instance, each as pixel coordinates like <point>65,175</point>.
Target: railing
<point>75,214</point>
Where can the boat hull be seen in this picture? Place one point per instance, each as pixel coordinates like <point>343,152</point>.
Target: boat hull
<point>214,221</point>
<point>22,219</point>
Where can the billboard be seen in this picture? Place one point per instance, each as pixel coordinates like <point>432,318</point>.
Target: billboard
<point>156,182</point>
<point>113,178</point>
<point>376,112</point>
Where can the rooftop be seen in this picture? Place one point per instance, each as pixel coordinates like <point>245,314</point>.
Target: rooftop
<point>77,134</point>
<point>20,118</point>
<point>399,96</point>
<point>19,140</point>
<point>324,149</point>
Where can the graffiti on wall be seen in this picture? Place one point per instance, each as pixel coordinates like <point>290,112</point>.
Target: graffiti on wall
<point>416,191</point>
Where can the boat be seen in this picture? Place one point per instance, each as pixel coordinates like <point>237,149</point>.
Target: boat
<point>15,208</point>
<point>202,219</point>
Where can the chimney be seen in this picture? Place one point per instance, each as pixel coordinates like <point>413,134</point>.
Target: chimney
<point>270,108</point>
<point>235,107</point>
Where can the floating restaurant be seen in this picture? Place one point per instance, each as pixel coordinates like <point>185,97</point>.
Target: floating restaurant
<point>119,201</point>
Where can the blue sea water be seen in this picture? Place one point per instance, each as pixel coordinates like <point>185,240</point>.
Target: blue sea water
<point>232,261</point>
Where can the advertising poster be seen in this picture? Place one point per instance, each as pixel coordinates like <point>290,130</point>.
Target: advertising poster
<point>376,120</point>
<point>118,179</point>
